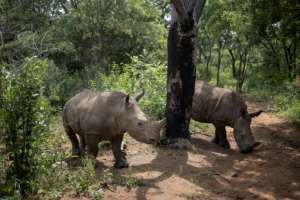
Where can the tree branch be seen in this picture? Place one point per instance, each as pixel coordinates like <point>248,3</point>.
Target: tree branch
<point>198,9</point>
<point>183,7</point>
<point>179,8</point>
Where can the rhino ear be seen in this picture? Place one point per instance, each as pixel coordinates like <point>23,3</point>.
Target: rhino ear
<point>255,114</point>
<point>127,99</point>
<point>128,102</point>
<point>243,113</point>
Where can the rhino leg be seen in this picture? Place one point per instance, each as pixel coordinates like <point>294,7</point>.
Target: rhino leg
<point>220,136</point>
<point>91,143</point>
<point>216,139</point>
<point>82,144</point>
<point>119,155</point>
<point>75,143</point>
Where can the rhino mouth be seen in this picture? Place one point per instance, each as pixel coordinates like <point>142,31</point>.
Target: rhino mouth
<point>250,149</point>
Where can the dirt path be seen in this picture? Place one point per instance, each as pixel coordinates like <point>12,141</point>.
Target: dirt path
<point>210,172</point>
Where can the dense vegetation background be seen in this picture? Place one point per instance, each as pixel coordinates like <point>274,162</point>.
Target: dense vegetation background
<point>52,49</point>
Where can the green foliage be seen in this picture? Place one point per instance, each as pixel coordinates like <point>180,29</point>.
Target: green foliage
<point>59,178</point>
<point>283,95</point>
<point>99,32</point>
<point>24,117</point>
<point>84,180</point>
<point>130,181</point>
<point>127,181</point>
<point>261,35</point>
<point>62,85</point>
<point>197,127</point>
<point>131,78</point>
<point>59,172</point>
<point>293,112</point>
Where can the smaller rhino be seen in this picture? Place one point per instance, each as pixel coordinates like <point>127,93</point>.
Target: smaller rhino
<point>96,116</point>
<point>223,107</point>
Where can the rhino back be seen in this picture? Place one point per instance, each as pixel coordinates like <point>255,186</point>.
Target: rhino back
<point>92,112</point>
<point>214,104</point>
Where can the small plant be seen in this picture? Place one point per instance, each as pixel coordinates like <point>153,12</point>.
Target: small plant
<point>196,127</point>
<point>107,178</point>
<point>84,180</point>
<point>293,112</point>
<point>130,181</point>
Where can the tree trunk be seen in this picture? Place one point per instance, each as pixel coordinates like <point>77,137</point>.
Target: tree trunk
<point>238,77</point>
<point>208,47</point>
<point>233,60</point>
<point>181,67</point>
<point>241,74</point>
<point>219,62</point>
<point>290,58</point>
<point>207,74</point>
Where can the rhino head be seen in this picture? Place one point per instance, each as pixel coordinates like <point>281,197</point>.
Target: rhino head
<point>242,132</point>
<point>134,121</point>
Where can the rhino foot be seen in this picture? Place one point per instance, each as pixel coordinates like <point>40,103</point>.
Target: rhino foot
<point>246,151</point>
<point>225,144</point>
<point>76,152</point>
<point>121,164</point>
<point>215,140</point>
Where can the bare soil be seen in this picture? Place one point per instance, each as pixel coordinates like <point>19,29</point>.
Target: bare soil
<point>210,172</point>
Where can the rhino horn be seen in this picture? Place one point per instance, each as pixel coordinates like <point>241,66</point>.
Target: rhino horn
<point>255,114</point>
<point>139,95</point>
<point>160,124</point>
<point>256,144</point>
<point>163,123</point>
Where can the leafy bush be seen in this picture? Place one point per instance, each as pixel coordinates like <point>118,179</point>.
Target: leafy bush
<point>60,173</point>
<point>131,78</point>
<point>24,123</point>
<point>284,96</point>
<point>293,112</point>
<point>61,85</point>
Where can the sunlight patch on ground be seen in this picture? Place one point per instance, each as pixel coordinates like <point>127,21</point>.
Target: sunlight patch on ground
<point>199,161</point>
<point>141,159</point>
<point>149,174</point>
<point>219,154</point>
<point>263,194</point>
<point>180,192</point>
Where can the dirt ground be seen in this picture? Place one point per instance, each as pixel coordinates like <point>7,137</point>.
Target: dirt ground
<point>211,172</point>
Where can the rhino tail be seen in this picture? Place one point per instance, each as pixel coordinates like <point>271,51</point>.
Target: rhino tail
<point>255,114</point>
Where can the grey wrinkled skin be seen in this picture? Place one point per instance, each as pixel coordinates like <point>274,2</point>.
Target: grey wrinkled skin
<point>97,116</point>
<point>223,107</point>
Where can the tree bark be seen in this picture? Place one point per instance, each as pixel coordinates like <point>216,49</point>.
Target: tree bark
<point>181,68</point>
<point>233,61</point>
<point>207,73</point>
<point>290,57</point>
<point>241,75</point>
<point>207,55</point>
<point>219,61</point>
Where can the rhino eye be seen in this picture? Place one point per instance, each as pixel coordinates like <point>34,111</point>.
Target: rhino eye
<point>140,124</point>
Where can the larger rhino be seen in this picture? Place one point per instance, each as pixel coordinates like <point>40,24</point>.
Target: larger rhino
<point>223,107</point>
<point>96,116</point>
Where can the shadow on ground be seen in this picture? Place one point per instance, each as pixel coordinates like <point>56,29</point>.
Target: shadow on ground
<point>211,172</point>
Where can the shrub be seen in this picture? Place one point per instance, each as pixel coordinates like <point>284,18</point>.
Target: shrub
<point>24,123</point>
<point>131,78</point>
